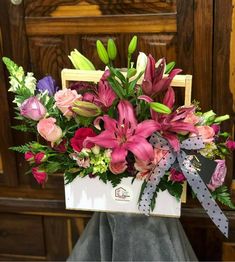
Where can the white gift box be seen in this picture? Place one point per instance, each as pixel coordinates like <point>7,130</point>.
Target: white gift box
<point>92,194</point>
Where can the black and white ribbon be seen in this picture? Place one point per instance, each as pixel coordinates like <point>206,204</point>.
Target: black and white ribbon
<point>191,174</point>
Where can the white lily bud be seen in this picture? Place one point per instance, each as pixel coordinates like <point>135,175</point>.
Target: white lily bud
<point>141,62</point>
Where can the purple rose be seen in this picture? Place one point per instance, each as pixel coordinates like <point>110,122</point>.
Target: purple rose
<point>47,84</point>
<point>218,176</point>
<point>32,109</point>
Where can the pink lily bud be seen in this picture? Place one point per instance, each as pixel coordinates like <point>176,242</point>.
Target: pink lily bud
<point>33,109</point>
<point>86,109</point>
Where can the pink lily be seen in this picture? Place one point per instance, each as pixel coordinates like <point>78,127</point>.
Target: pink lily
<point>154,81</point>
<point>125,134</point>
<point>173,124</point>
<point>103,95</point>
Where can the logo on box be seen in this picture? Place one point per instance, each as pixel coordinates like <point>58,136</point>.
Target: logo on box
<point>122,193</point>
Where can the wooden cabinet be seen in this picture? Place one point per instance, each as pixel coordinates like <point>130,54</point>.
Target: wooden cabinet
<point>39,35</point>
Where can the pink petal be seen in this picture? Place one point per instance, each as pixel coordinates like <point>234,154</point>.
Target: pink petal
<point>140,148</point>
<point>147,87</point>
<point>169,99</point>
<point>164,83</point>
<point>146,128</point>
<point>150,68</point>
<point>126,113</point>
<point>159,71</point>
<point>145,98</point>
<point>105,139</point>
<point>182,126</point>
<point>109,123</point>
<point>173,141</point>
<point>118,155</point>
<point>174,72</point>
<point>182,112</point>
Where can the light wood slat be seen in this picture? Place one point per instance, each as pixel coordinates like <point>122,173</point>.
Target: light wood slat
<point>94,76</point>
<point>106,24</point>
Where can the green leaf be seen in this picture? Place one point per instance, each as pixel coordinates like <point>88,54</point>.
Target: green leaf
<point>142,190</point>
<point>69,177</point>
<point>175,189</point>
<point>133,83</point>
<point>24,128</point>
<point>51,167</point>
<point>169,67</point>
<point>118,74</point>
<point>23,148</point>
<point>153,201</point>
<point>222,195</point>
<point>117,88</point>
<point>84,121</point>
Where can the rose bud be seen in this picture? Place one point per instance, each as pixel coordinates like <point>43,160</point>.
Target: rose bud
<point>176,176</point>
<point>230,144</point>
<point>87,109</point>
<point>40,157</point>
<point>29,156</point>
<point>39,175</point>
<point>32,108</point>
<point>49,130</point>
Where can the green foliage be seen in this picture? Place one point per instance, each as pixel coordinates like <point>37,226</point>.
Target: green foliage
<point>112,178</point>
<point>70,176</point>
<point>84,121</point>
<point>23,148</point>
<point>24,128</point>
<point>222,195</point>
<point>174,188</point>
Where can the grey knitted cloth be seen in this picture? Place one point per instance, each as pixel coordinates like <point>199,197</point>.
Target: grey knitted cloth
<point>126,237</point>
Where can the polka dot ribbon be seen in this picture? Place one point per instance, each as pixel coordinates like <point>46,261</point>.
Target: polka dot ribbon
<point>193,178</point>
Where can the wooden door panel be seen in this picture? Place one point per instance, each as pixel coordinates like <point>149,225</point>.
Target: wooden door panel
<point>48,8</point>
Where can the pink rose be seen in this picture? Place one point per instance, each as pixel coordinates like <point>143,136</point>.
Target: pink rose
<point>118,168</point>
<point>65,99</point>
<point>49,130</point>
<point>206,132</point>
<point>39,157</point>
<point>218,176</point>
<point>176,176</point>
<point>29,156</point>
<point>32,109</point>
<point>191,118</point>
<point>39,175</point>
<point>230,144</point>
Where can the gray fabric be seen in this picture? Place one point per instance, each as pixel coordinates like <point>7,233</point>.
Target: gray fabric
<point>126,237</point>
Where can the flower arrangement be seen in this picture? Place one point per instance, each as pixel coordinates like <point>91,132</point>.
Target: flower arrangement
<point>120,127</point>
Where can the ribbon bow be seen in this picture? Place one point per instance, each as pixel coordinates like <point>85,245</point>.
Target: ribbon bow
<point>190,173</point>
